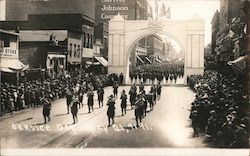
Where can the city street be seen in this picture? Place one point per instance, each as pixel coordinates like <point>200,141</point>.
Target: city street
<point>167,125</point>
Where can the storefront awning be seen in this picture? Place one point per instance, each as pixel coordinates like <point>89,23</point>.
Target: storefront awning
<point>239,63</point>
<point>102,60</point>
<point>148,60</point>
<point>11,63</point>
<point>55,56</point>
<point>92,63</point>
<point>7,70</point>
<point>138,57</point>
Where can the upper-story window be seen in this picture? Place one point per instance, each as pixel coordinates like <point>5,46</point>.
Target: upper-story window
<point>84,40</point>
<point>70,50</point>
<point>78,51</point>
<point>88,41</point>
<point>75,50</point>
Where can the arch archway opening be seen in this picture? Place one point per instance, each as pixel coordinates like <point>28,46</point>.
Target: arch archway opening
<point>155,57</point>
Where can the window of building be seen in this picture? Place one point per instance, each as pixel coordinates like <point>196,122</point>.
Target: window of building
<point>75,51</point>
<point>6,41</point>
<point>91,41</point>
<point>70,50</point>
<point>78,51</point>
<point>88,41</point>
<point>84,40</point>
<point>51,62</point>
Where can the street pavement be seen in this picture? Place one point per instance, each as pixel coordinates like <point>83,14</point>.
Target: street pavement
<point>167,125</point>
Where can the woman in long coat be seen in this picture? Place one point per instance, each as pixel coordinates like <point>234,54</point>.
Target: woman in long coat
<point>111,109</point>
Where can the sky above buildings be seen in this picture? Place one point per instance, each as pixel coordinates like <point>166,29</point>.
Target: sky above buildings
<point>186,9</point>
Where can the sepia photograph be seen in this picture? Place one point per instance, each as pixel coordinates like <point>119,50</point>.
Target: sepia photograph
<point>124,77</point>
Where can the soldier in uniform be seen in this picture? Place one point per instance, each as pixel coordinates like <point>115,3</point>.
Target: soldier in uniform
<point>158,88</point>
<point>115,89</point>
<point>111,109</point>
<point>139,109</point>
<point>150,100</point>
<point>141,87</point>
<point>132,94</point>
<point>123,102</point>
<point>90,100</point>
<point>46,109</point>
<point>74,108</point>
<point>100,93</point>
<point>69,96</point>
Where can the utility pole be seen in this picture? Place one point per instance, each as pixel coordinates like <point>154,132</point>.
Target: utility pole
<point>81,51</point>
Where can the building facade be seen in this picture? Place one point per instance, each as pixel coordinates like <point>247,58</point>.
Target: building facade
<point>10,65</point>
<point>129,10</point>
<point>72,34</point>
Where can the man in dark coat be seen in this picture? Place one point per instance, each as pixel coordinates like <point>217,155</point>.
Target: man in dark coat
<point>111,109</point>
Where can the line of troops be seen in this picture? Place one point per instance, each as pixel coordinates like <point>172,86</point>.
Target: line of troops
<point>139,101</point>
<point>159,72</point>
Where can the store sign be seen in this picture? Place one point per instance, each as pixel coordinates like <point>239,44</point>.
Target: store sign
<point>110,8</point>
<point>8,52</point>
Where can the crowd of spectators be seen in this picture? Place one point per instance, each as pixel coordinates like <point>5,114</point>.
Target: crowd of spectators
<point>28,93</point>
<point>220,109</point>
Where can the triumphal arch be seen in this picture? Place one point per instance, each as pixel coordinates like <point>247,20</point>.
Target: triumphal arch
<point>124,34</point>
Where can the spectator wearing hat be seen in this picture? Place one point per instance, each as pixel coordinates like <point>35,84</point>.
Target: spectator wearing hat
<point>193,116</point>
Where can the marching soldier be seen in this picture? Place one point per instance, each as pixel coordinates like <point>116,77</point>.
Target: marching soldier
<point>90,100</point>
<point>111,109</point>
<point>150,100</point>
<point>46,109</point>
<point>141,87</point>
<point>74,108</point>
<point>132,94</point>
<point>69,96</point>
<point>123,102</point>
<point>138,109</point>
<point>100,93</point>
<point>158,88</point>
<point>115,89</point>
